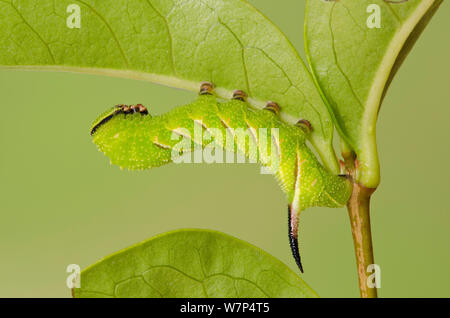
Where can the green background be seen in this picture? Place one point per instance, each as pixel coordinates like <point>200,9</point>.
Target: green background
<point>61,202</point>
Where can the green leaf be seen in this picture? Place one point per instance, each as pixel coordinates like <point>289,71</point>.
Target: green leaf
<point>354,64</point>
<point>191,263</point>
<point>178,43</point>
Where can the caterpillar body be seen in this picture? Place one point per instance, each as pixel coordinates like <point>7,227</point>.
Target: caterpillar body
<point>134,139</point>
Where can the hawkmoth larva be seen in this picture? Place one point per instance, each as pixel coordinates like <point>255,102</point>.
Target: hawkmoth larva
<point>134,139</point>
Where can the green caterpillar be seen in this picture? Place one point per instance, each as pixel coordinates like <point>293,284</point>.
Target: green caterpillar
<point>134,139</point>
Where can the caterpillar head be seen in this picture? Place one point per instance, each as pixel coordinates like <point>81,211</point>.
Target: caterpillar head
<point>114,111</point>
<point>121,134</point>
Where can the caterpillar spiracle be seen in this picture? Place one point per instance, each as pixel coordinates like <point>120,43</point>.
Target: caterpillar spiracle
<point>135,140</point>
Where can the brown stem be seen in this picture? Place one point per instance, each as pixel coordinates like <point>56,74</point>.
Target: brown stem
<point>359,212</point>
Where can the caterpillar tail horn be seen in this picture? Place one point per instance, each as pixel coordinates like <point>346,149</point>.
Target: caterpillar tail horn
<point>293,235</point>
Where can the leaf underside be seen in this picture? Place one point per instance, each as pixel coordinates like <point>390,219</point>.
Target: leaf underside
<point>191,263</point>
<point>354,64</point>
<point>178,43</point>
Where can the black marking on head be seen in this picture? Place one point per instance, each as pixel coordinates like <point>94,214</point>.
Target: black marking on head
<point>120,109</point>
<point>103,121</point>
<point>293,241</point>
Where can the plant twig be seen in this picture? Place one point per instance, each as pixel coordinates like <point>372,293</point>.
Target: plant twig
<point>359,213</point>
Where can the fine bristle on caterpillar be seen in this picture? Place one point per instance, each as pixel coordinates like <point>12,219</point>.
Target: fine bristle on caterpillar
<point>136,140</point>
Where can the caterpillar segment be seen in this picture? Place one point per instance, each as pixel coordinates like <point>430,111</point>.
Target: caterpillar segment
<point>135,140</point>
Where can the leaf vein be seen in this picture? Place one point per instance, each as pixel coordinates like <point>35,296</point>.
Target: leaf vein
<point>333,47</point>
<point>170,37</point>
<point>108,26</point>
<point>32,30</point>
